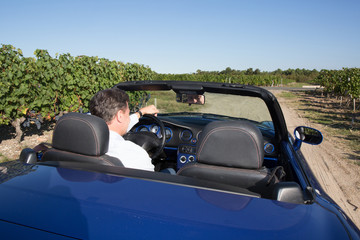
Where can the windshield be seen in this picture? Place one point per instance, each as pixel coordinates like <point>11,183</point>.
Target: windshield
<point>217,106</point>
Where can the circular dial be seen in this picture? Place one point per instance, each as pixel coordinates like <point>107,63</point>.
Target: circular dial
<point>143,129</point>
<point>154,128</point>
<point>269,148</point>
<point>198,135</point>
<point>168,133</point>
<point>186,135</point>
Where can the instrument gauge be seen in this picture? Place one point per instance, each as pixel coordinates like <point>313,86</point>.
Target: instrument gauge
<point>154,128</point>
<point>186,135</point>
<point>168,134</point>
<point>269,148</point>
<point>143,129</point>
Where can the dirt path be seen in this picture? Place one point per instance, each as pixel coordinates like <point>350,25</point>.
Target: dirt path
<point>338,176</point>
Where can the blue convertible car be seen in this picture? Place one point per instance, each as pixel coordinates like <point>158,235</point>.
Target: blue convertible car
<point>239,174</point>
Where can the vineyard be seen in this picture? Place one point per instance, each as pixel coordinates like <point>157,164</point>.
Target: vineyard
<point>341,83</point>
<point>34,90</point>
<point>248,77</point>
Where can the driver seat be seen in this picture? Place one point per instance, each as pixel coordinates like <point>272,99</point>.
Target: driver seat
<point>80,138</point>
<point>231,152</point>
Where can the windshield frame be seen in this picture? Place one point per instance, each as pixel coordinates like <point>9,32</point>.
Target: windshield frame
<point>270,100</point>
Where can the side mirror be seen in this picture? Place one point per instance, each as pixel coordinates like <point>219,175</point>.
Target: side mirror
<point>307,135</point>
<point>190,98</point>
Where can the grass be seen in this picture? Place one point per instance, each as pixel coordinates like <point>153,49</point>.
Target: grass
<point>165,101</point>
<point>4,158</point>
<point>288,95</point>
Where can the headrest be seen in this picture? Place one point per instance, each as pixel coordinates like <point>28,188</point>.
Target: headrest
<point>236,144</point>
<point>81,133</point>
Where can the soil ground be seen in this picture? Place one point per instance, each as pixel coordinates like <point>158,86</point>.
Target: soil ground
<point>330,161</point>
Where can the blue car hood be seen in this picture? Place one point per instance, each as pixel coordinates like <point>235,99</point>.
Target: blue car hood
<point>77,204</point>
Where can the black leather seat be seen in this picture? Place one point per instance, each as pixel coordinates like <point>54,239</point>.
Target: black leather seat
<point>82,138</point>
<point>231,152</point>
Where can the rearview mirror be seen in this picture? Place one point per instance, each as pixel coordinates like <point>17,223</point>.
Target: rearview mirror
<point>190,98</point>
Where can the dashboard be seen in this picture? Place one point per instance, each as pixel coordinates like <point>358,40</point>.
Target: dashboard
<point>182,135</point>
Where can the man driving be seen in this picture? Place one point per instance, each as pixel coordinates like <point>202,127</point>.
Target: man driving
<point>112,106</point>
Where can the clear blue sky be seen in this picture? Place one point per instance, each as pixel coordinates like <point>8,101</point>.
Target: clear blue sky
<point>185,35</point>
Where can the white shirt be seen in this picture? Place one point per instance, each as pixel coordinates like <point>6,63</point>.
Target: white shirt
<point>130,154</point>
<point>133,120</point>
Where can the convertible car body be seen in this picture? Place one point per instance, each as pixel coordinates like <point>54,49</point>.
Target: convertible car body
<point>239,174</point>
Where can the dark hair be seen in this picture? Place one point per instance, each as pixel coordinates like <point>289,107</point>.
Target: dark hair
<point>108,102</point>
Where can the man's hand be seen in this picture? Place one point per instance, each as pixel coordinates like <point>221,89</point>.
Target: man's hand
<point>148,110</point>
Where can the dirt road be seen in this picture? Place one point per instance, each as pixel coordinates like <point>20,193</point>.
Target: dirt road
<point>339,177</point>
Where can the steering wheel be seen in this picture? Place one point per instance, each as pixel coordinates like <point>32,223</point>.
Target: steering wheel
<point>148,140</point>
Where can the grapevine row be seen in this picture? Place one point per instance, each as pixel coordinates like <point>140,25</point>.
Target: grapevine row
<point>341,82</point>
<point>248,77</point>
<point>41,88</point>
<point>345,82</point>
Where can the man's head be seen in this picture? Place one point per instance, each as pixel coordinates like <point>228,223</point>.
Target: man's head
<point>112,106</point>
